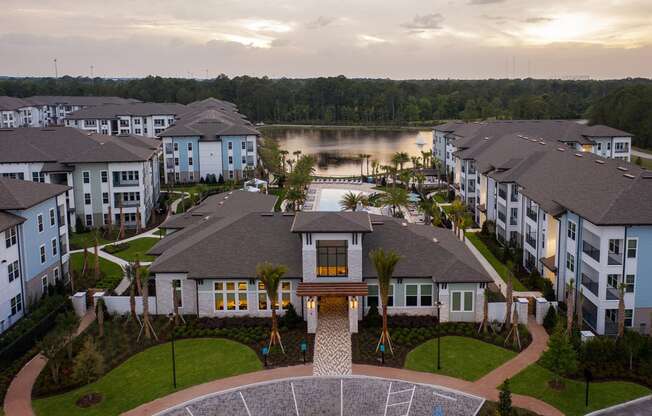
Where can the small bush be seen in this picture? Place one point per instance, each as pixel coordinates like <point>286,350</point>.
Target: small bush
<point>116,248</point>
<point>550,320</point>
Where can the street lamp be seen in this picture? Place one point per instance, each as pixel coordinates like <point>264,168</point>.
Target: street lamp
<point>174,364</point>
<point>438,304</point>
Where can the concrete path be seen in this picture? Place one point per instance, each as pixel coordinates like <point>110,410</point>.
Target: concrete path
<point>18,401</point>
<point>333,339</point>
<point>644,155</point>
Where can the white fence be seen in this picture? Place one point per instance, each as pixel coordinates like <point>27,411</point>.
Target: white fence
<point>120,304</point>
<point>497,311</point>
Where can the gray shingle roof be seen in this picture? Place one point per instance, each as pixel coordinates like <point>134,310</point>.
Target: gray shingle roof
<point>17,194</point>
<point>69,145</point>
<point>78,100</point>
<point>8,220</point>
<point>326,222</point>
<point>232,247</point>
<point>209,119</point>
<point>112,111</point>
<point>12,103</point>
<point>222,205</point>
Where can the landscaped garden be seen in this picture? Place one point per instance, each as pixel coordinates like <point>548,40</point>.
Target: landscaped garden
<point>148,375</point>
<point>134,249</point>
<point>110,273</point>
<point>533,381</point>
<point>461,357</point>
<point>499,266</point>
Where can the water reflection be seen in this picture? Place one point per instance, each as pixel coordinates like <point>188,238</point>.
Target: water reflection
<point>337,150</point>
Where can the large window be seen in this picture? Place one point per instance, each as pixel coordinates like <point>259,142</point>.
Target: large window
<point>631,248</point>
<point>332,258</point>
<point>284,293</point>
<point>16,304</point>
<point>10,237</point>
<point>230,296</point>
<point>570,262</point>
<point>418,295</point>
<point>462,301</point>
<point>39,222</point>
<point>53,217</point>
<point>178,292</point>
<point>373,298</point>
<point>572,230</point>
<point>13,271</point>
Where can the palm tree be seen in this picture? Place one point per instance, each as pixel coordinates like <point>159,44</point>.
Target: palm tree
<point>396,198</point>
<point>366,157</point>
<point>427,157</point>
<point>420,178</point>
<point>580,312</point>
<point>621,310</point>
<point>96,255</point>
<point>404,177</point>
<point>270,276</point>
<point>290,162</point>
<point>384,264</point>
<point>431,213</point>
<point>361,157</point>
<point>350,201</point>
<point>416,162</point>
<point>509,296</point>
<point>375,167</point>
<point>295,197</point>
<point>457,212</point>
<point>465,222</point>
<point>130,272</point>
<point>283,153</point>
<point>399,159</point>
<point>296,154</point>
<point>99,313</point>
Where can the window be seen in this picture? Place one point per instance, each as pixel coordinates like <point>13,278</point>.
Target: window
<point>230,160</point>
<point>105,176</point>
<point>105,219</point>
<point>629,283</point>
<point>230,174</point>
<point>190,161</point>
<point>89,220</point>
<point>176,161</point>
<point>244,145</point>
<point>177,288</point>
<point>53,217</point>
<point>16,304</point>
<point>10,237</point>
<point>137,121</point>
<point>176,147</point>
<point>105,197</point>
<point>244,160</point>
<point>86,177</point>
<point>613,280</point>
<point>332,258</point>
<point>230,145</point>
<point>39,222</point>
<point>462,301</point>
<point>373,298</point>
<point>614,246</point>
<point>230,296</point>
<point>38,177</point>
<point>13,271</point>
<point>190,147</point>
<point>418,295</point>
<point>87,198</point>
<point>44,284</point>
<point>56,274</point>
<point>570,262</point>
<point>629,315</point>
<point>43,257</point>
<point>572,229</point>
<point>54,247</point>
<point>631,248</point>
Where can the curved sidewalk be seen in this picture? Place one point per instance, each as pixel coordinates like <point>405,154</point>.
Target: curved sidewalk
<point>18,401</point>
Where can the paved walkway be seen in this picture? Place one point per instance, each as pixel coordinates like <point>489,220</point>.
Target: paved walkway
<point>333,339</point>
<point>18,401</point>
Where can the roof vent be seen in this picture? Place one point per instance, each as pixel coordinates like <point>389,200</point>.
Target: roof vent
<point>629,175</point>
<point>404,224</point>
<point>266,214</point>
<point>434,240</point>
<point>561,149</point>
<point>288,214</point>
<point>622,168</point>
<point>542,143</point>
<point>220,203</point>
<point>599,162</point>
<point>578,154</point>
<point>377,222</point>
<point>646,175</point>
<point>230,193</point>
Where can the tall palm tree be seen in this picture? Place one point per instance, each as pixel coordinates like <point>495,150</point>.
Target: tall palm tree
<point>509,297</point>
<point>399,159</point>
<point>384,264</point>
<point>270,276</point>
<point>416,162</point>
<point>420,178</point>
<point>366,157</point>
<point>290,163</point>
<point>404,177</point>
<point>284,154</point>
<point>296,154</point>
<point>430,210</point>
<point>295,197</point>
<point>130,273</point>
<point>427,157</point>
<point>350,201</point>
<point>396,198</point>
<point>621,310</point>
<point>96,254</point>
<point>375,166</point>
<point>457,212</point>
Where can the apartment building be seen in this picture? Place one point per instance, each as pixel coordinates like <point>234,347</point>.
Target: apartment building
<point>575,215</point>
<point>210,140</point>
<point>34,244</point>
<point>139,119</point>
<point>106,174</point>
<point>47,110</point>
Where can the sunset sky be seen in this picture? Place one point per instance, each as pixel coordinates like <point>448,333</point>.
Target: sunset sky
<point>306,38</point>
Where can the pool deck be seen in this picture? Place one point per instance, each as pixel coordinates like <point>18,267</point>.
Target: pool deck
<point>360,187</point>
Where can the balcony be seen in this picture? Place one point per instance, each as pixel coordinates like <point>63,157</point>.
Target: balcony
<point>120,182</point>
<point>531,240</point>
<point>502,192</point>
<point>514,197</point>
<point>126,204</point>
<point>591,250</point>
<point>531,214</point>
<point>612,293</point>
<point>614,259</point>
<point>592,285</point>
<point>513,221</point>
<point>501,216</point>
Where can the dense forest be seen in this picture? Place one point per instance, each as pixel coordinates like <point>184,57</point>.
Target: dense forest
<point>340,100</point>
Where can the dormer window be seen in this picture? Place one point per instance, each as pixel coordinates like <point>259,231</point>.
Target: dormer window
<point>332,258</point>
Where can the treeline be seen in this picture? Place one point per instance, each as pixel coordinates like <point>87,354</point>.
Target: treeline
<point>628,108</point>
<point>339,100</point>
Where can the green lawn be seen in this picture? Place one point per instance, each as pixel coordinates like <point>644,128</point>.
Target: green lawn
<point>461,357</point>
<point>497,264</point>
<point>148,375</point>
<point>81,240</point>
<point>280,194</point>
<point>441,198</point>
<point>533,381</point>
<point>112,272</point>
<point>137,249</point>
<point>447,209</point>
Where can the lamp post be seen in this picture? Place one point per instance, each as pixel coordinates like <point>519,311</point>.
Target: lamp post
<point>438,304</point>
<point>174,363</point>
<point>303,346</point>
<point>265,352</point>
<point>587,376</point>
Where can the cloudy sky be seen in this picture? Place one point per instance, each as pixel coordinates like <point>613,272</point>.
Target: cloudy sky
<point>304,38</point>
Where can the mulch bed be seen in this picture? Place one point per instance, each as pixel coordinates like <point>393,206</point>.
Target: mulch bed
<point>89,400</point>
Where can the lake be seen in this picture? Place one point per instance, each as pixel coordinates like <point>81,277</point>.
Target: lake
<point>337,149</point>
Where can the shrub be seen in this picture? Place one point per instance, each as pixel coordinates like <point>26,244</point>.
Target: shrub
<point>290,318</point>
<point>115,248</point>
<point>89,363</point>
<point>560,357</point>
<point>550,320</point>
<point>505,399</point>
<point>373,318</point>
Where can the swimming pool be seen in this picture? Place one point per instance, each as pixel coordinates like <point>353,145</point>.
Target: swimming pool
<point>329,199</point>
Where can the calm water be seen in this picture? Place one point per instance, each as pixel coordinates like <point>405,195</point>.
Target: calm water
<point>336,150</point>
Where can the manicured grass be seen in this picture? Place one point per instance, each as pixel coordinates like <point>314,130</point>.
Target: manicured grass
<point>447,209</point>
<point>148,375</point>
<point>80,240</point>
<point>461,357</point>
<point>533,381</point>
<point>137,249</point>
<point>112,272</point>
<point>497,264</point>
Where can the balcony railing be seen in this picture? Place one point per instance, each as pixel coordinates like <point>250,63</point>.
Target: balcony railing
<point>513,220</point>
<point>532,214</point>
<point>120,182</point>
<point>614,259</point>
<point>126,204</point>
<point>612,293</point>
<point>592,251</point>
<point>501,216</point>
<point>529,238</point>
<point>502,193</point>
<point>590,284</point>
<point>514,197</point>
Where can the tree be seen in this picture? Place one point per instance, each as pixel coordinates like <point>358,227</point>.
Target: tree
<point>509,296</point>
<point>457,214</point>
<point>99,313</point>
<point>51,346</point>
<point>505,399</point>
<point>621,310</point>
<point>143,289</point>
<point>350,201</point>
<point>131,274</point>
<point>384,264</point>
<point>67,324</point>
<point>89,363</point>
<point>96,255</point>
<point>550,320</point>
<point>560,357</point>
<point>484,324</point>
<point>270,276</point>
<point>570,306</point>
<point>396,198</point>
